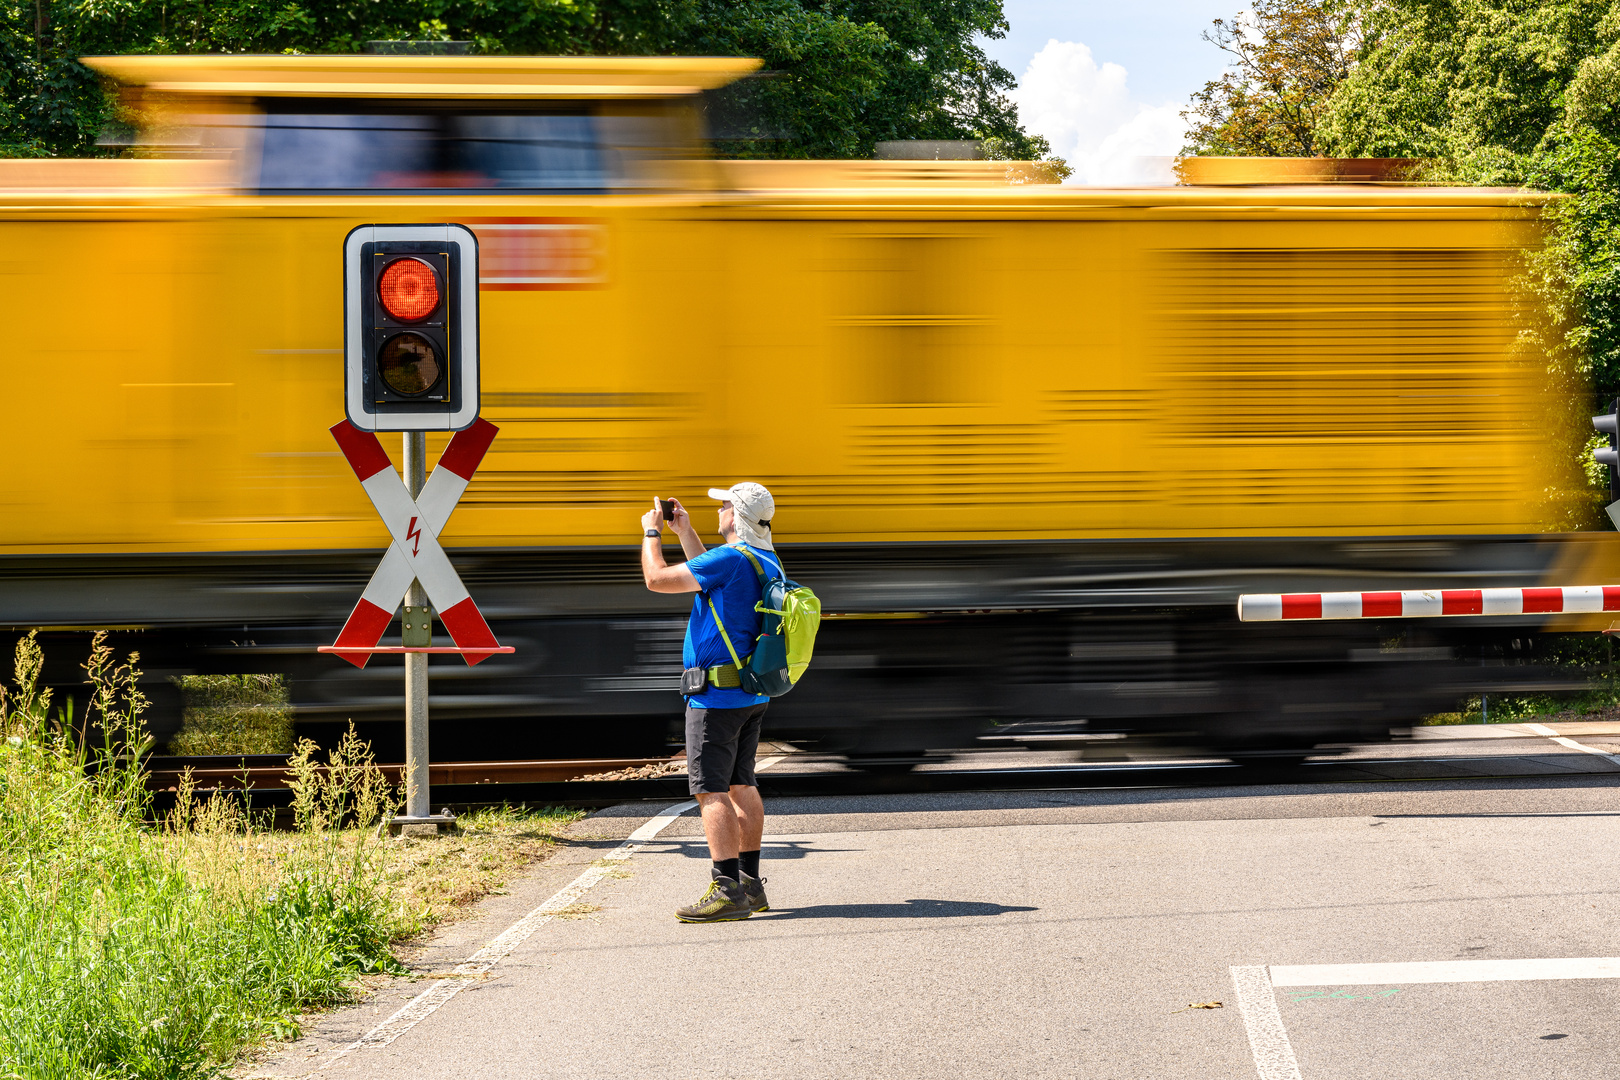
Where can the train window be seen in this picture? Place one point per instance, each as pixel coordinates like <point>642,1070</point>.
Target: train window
<point>428,149</point>
<point>323,151</point>
<point>530,151</point>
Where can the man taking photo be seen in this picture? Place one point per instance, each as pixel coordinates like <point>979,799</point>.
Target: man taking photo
<point>722,720</point>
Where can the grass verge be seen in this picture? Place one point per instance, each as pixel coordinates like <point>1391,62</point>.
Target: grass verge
<point>133,949</point>
<point>233,714</point>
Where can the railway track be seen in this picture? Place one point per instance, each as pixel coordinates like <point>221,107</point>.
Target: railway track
<point>270,771</point>
<point>564,781</point>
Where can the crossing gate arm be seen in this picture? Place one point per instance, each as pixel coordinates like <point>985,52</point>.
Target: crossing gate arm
<point>1428,603</point>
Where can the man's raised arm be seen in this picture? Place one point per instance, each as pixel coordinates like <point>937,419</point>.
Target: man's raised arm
<point>659,576</point>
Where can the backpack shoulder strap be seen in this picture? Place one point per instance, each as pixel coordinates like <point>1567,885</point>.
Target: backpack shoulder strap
<point>724,635</point>
<point>758,568</point>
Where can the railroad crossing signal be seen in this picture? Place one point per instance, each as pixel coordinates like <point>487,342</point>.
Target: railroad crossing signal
<point>410,327</point>
<point>1609,424</point>
<point>410,363</point>
<point>414,553</point>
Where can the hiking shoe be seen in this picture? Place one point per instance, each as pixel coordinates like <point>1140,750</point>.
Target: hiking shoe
<point>754,893</point>
<point>723,901</point>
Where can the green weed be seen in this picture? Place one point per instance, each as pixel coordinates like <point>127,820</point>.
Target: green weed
<point>128,950</point>
<point>233,714</point>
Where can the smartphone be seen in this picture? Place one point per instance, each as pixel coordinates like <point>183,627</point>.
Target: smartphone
<point>668,506</point>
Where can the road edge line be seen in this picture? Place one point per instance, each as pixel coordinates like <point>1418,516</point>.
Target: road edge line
<point>1273,1053</point>
<point>1547,732</point>
<point>428,1001</point>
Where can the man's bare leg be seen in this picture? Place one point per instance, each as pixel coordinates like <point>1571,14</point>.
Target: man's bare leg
<point>720,824</point>
<point>750,811</point>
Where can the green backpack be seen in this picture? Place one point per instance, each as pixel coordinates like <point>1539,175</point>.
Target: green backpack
<point>790,615</point>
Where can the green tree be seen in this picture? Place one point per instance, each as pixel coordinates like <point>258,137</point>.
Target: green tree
<point>1288,57</point>
<point>1479,84</point>
<point>845,74</point>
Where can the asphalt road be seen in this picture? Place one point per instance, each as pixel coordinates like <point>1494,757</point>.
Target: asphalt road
<point>1052,934</point>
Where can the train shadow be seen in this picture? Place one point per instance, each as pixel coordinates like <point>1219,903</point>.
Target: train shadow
<point>910,909</point>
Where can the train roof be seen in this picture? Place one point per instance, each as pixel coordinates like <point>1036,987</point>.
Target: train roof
<point>405,76</point>
<point>1239,187</point>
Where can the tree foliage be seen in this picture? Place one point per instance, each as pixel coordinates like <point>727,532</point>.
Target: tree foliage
<point>845,73</point>
<point>1288,57</point>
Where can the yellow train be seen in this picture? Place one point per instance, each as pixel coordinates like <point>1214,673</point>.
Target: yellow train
<point>1030,440</point>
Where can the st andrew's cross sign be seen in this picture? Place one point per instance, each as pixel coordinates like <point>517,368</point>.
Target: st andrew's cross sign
<point>415,553</point>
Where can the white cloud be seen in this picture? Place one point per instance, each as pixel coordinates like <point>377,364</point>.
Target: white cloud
<point>1088,115</point>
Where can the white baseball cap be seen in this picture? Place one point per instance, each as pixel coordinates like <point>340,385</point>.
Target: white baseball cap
<point>750,500</point>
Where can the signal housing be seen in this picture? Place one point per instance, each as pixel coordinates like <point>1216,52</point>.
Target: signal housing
<point>1609,424</point>
<point>410,350</point>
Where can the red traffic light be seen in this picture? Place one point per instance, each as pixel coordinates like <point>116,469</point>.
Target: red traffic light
<point>410,327</point>
<point>408,289</point>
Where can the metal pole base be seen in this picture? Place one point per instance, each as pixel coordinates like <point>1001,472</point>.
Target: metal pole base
<point>428,825</point>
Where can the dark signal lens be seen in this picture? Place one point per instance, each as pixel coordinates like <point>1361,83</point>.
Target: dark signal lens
<point>409,364</point>
<point>408,289</point>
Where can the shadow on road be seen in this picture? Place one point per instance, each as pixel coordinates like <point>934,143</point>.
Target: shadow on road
<point>773,850</point>
<point>911,909</point>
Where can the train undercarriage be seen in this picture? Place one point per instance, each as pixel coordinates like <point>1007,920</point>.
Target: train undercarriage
<point>925,647</point>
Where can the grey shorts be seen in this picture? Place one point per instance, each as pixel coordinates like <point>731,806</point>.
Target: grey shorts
<point>720,748</point>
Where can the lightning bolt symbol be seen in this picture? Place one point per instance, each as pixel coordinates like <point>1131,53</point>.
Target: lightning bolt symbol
<point>413,533</point>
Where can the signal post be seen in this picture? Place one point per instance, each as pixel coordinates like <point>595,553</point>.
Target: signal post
<point>410,343</point>
<point>414,633</point>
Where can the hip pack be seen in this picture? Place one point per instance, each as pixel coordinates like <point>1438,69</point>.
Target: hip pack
<point>790,615</point>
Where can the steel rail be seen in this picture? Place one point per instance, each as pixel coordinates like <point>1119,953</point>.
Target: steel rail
<point>270,771</point>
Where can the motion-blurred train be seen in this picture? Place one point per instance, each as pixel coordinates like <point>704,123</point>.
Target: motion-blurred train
<point>1027,442</point>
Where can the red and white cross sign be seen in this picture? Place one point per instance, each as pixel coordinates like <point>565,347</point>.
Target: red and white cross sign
<point>415,553</point>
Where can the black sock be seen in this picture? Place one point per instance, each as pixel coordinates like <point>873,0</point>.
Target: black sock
<point>750,862</point>
<point>727,868</point>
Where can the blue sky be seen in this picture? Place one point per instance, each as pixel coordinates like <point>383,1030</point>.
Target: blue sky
<point>1105,81</point>
<point>1157,43</point>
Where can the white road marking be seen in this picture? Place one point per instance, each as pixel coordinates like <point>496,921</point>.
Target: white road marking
<point>1446,971</point>
<point>1273,1054</point>
<point>1543,729</point>
<point>424,1004</point>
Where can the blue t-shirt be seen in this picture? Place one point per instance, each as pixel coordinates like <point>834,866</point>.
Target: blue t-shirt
<point>727,577</point>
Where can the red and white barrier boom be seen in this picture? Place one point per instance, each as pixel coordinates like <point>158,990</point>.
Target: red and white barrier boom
<point>1428,603</point>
